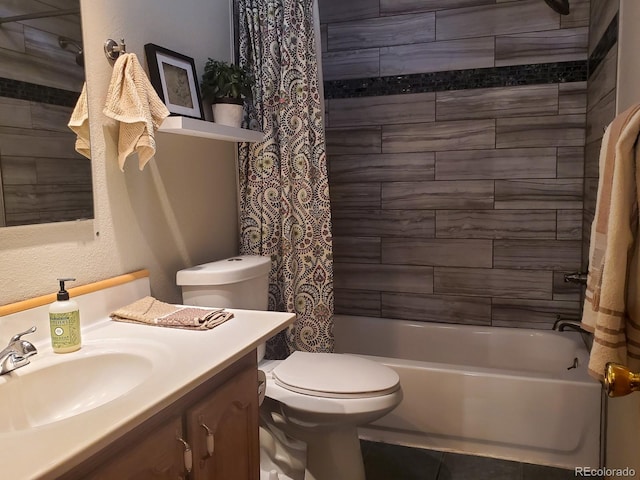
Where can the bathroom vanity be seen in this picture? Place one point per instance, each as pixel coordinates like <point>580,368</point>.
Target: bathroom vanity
<point>136,401</point>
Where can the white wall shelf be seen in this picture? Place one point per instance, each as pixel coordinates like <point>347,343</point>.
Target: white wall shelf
<point>201,128</point>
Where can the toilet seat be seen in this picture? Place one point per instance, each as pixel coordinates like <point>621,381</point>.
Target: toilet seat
<point>333,375</point>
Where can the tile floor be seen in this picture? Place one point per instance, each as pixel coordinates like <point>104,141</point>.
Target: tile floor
<point>394,462</point>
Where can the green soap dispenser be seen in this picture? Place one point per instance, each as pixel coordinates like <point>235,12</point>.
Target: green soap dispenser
<point>64,319</point>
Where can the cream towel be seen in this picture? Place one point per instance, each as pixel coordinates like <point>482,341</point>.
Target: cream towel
<point>150,311</point>
<point>132,101</point>
<point>612,302</point>
<point>79,123</point>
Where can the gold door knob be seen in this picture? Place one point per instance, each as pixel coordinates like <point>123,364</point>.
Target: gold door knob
<point>619,380</point>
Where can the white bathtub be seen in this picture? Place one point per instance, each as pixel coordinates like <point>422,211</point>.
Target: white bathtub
<point>499,392</point>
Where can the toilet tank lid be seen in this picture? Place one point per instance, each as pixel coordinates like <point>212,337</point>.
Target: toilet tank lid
<point>229,270</point>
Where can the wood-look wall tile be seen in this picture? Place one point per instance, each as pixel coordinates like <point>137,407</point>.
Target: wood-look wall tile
<point>356,249</point>
<point>340,11</point>
<point>19,142</point>
<point>493,224</point>
<point>537,254</point>
<point>362,140</point>
<point>462,194</point>
<point>578,15</point>
<point>356,302</point>
<point>603,80</point>
<point>437,56</point>
<point>543,131</point>
<point>570,162</point>
<point>383,31</point>
<point>437,308</point>
<point>12,36</point>
<point>63,171</point>
<point>384,223</point>
<point>493,164</point>
<point>40,70</point>
<point>355,195</point>
<point>439,136</point>
<point>600,116</point>
<point>20,199</point>
<point>497,102</point>
<point>592,159</point>
<point>562,193</point>
<point>391,167</point>
<point>530,313</point>
<point>324,41</point>
<point>601,13</point>
<point>51,117</point>
<point>19,170</point>
<point>15,113</point>
<point>493,282</point>
<point>499,19</point>
<point>347,64</point>
<point>565,290</point>
<point>393,7</point>
<point>384,109</point>
<point>569,225</point>
<point>383,278</point>
<point>573,98</point>
<point>63,197</point>
<point>437,253</point>
<point>548,46</point>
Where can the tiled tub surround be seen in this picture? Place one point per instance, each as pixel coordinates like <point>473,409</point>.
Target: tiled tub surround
<point>462,202</point>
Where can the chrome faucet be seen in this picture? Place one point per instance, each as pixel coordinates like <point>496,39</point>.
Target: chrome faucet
<point>16,354</point>
<point>562,323</point>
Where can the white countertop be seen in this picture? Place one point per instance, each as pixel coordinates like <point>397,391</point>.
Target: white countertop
<point>181,360</point>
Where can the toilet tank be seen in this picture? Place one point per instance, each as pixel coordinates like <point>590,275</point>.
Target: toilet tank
<point>237,282</point>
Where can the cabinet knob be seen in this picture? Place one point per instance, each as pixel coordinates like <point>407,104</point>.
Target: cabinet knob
<point>210,443</point>
<point>188,455</point>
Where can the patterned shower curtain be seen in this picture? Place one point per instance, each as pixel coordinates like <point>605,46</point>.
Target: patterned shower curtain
<point>284,198</point>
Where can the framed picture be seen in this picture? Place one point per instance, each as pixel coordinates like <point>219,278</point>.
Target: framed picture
<point>173,76</point>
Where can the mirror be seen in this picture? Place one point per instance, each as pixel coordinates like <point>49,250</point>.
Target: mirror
<point>43,178</point>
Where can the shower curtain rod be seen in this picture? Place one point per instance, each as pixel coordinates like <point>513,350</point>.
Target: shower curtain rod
<point>32,16</point>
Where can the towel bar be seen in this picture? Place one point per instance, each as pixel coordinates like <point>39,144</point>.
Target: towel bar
<point>112,50</point>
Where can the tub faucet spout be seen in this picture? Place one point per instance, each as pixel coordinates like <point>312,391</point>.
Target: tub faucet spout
<point>562,323</point>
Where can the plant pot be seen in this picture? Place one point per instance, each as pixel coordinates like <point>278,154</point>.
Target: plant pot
<point>228,112</point>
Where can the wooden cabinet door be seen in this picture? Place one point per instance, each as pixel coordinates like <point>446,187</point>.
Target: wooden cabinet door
<point>230,415</point>
<point>158,456</point>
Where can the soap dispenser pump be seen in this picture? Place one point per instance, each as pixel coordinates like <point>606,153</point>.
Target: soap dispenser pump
<point>64,319</point>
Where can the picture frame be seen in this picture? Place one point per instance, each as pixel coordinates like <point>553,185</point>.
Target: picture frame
<point>173,76</point>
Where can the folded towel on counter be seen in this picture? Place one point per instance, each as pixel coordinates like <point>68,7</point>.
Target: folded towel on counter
<point>79,123</point>
<point>151,311</point>
<point>612,299</point>
<point>132,101</point>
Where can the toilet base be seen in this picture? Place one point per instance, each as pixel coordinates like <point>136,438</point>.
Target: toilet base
<point>333,455</point>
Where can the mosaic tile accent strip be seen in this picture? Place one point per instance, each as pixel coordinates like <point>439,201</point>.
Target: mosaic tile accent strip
<point>608,40</point>
<point>37,93</point>
<point>561,72</point>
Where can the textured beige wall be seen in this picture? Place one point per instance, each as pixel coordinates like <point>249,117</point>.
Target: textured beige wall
<point>179,211</point>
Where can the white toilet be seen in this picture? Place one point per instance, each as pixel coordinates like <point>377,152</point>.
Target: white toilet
<point>319,398</point>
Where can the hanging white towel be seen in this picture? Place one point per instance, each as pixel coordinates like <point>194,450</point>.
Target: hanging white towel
<point>79,123</point>
<point>132,101</point>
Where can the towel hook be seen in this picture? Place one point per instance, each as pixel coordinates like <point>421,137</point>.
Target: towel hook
<point>112,50</point>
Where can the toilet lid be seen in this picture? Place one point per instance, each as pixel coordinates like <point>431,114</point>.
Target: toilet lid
<point>335,375</point>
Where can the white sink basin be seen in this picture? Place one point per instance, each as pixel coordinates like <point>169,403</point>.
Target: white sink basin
<point>56,387</point>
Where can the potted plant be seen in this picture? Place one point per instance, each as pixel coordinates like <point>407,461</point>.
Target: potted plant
<point>226,85</point>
